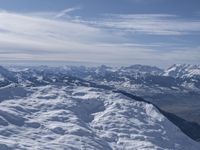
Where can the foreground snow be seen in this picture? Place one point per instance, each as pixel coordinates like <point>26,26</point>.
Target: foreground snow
<point>77,117</point>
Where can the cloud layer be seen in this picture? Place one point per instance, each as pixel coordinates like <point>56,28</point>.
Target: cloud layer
<point>107,40</point>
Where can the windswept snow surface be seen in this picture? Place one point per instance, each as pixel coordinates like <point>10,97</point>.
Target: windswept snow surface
<point>75,117</point>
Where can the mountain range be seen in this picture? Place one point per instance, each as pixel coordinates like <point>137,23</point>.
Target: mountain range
<point>78,107</point>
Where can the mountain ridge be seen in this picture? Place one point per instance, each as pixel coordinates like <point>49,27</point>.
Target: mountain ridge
<point>78,115</point>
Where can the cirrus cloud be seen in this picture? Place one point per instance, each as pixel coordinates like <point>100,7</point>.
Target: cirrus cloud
<point>35,38</point>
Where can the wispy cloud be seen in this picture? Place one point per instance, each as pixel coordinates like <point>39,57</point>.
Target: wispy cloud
<point>66,11</point>
<point>34,38</point>
<point>155,24</point>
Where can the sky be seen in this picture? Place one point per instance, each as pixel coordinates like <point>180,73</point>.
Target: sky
<point>95,32</point>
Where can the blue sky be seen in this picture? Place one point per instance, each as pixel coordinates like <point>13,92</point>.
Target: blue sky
<point>114,32</point>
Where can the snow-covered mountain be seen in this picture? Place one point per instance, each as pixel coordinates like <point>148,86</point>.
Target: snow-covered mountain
<point>183,71</point>
<point>139,70</point>
<point>189,74</point>
<point>84,108</point>
<point>174,77</point>
<point>136,78</point>
<point>79,117</point>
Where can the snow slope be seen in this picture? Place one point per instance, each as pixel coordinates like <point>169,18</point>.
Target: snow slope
<point>73,117</point>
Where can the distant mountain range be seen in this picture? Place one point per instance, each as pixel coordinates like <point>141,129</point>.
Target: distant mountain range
<point>176,77</point>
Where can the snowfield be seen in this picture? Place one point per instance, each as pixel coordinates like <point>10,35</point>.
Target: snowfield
<point>75,117</point>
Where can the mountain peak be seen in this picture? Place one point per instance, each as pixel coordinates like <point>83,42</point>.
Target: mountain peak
<point>183,70</point>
